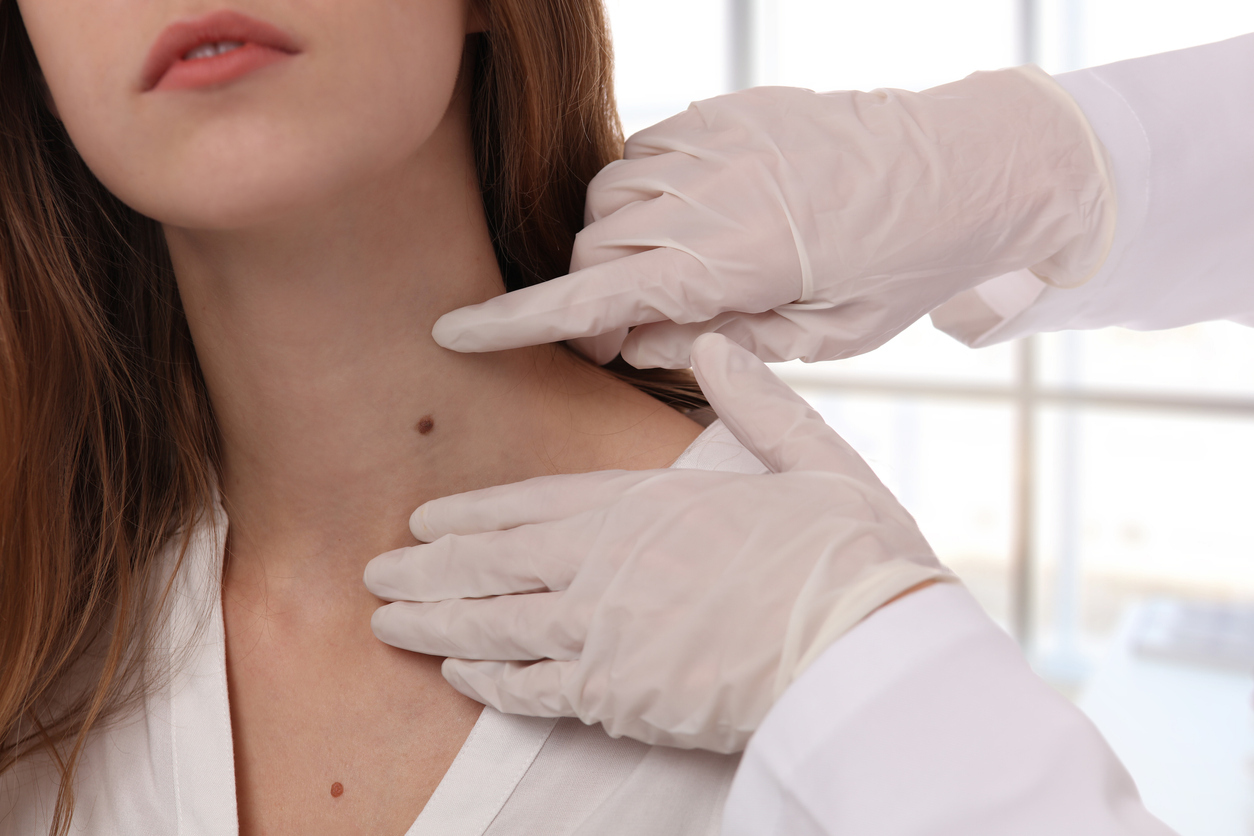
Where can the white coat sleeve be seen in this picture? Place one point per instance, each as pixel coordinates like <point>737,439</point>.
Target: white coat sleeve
<point>1179,128</point>
<point>925,720</point>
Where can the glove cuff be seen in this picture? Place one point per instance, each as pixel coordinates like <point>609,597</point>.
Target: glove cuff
<point>877,586</point>
<point>1081,257</point>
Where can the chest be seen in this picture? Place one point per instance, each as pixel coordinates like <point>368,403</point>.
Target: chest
<point>334,732</point>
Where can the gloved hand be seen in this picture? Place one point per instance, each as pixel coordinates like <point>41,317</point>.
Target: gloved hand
<point>672,606</point>
<point>817,226</point>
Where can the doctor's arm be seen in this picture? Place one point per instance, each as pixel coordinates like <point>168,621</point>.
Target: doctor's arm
<point>1178,130</point>
<point>925,720</point>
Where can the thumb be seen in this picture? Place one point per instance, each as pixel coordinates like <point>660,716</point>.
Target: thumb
<point>531,688</point>
<point>766,416</point>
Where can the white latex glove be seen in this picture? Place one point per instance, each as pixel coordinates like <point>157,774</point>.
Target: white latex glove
<point>816,226</point>
<point>672,606</point>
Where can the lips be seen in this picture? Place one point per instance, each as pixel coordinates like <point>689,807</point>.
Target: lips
<point>213,49</point>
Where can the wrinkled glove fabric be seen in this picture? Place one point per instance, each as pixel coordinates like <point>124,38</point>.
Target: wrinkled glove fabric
<point>817,225</point>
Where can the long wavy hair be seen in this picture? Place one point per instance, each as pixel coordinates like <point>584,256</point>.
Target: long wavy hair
<point>108,443</point>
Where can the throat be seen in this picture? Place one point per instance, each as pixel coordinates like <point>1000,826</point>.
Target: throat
<point>316,704</point>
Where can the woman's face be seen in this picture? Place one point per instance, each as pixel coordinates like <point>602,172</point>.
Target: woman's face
<point>220,114</point>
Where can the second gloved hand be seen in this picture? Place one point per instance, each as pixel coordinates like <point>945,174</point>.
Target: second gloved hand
<point>672,606</point>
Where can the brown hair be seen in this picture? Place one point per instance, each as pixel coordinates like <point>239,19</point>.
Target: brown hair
<point>108,443</point>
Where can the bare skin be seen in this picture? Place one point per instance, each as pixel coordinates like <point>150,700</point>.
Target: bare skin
<point>322,396</point>
<point>321,213</point>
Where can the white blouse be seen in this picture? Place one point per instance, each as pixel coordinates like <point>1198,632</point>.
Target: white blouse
<point>168,768</point>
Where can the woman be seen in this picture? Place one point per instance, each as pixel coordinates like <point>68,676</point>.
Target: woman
<point>226,235</point>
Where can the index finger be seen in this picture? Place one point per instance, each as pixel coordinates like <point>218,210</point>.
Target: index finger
<point>538,500</point>
<point>615,294</point>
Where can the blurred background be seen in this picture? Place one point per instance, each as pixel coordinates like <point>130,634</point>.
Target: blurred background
<point>1093,489</point>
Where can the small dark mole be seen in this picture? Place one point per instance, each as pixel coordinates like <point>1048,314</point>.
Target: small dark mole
<point>337,789</point>
<point>426,424</point>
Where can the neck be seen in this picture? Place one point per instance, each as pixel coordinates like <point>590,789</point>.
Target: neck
<point>338,412</point>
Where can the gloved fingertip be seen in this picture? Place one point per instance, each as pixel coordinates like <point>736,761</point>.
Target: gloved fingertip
<point>382,626</point>
<point>451,670</point>
<point>371,576</point>
<point>419,527</point>
<point>705,345</point>
<point>645,353</point>
<point>718,347</point>
<point>602,348</point>
<point>396,624</point>
<point>455,673</point>
<point>455,331</point>
<point>381,575</point>
<point>716,359</point>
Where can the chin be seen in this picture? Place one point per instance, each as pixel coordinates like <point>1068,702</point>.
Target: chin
<point>256,184</point>
<point>245,198</point>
